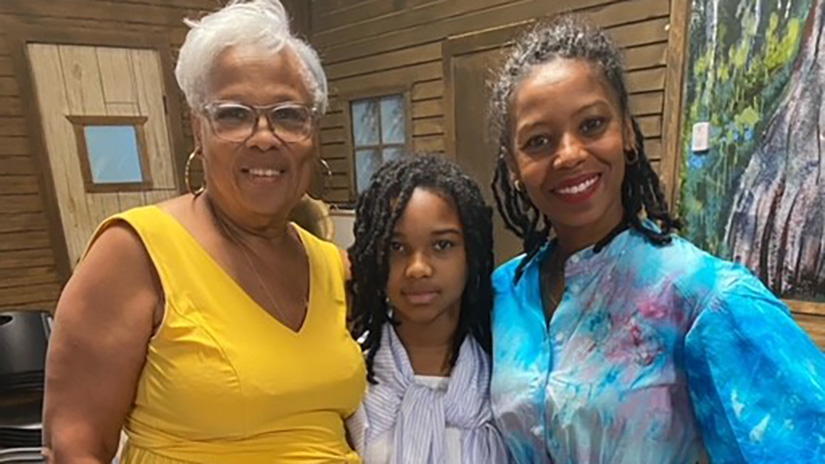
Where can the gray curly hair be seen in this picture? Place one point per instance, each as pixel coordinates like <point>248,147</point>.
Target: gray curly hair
<point>263,23</point>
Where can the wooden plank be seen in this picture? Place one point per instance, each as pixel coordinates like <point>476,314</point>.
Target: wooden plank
<point>28,276</point>
<point>336,135</point>
<point>430,144</point>
<point>428,126</point>
<point>18,222</point>
<point>81,77</point>
<point>651,125</point>
<point>337,195</point>
<point>814,325</point>
<point>409,28</point>
<point>104,12</point>
<point>101,207</point>
<point>158,196</point>
<point>643,104</point>
<point>339,180</point>
<point>394,77</point>
<point>806,307</point>
<point>416,26</point>
<point>11,106</point>
<point>29,240</point>
<point>353,13</point>
<point>334,151</point>
<point>331,120</point>
<point>14,295</point>
<point>646,56</point>
<point>12,126</point>
<point>18,185</point>
<point>653,149</point>
<point>20,259</point>
<point>47,305</point>
<point>122,109</point>
<point>616,13</point>
<point>6,68</point>
<point>48,63</point>
<point>16,165</point>
<point>427,90</point>
<point>28,203</point>
<point>646,80</point>
<point>428,108</point>
<point>129,200</point>
<point>13,146</point>
<point>9,87</point>
<point>339,165</point>
<point>674,80</point>
<point>150,95</point>
<point>648,32</point>
<point>116,75</point>
<point>395,59</point>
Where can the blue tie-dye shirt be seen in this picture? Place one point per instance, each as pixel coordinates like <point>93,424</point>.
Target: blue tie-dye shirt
<point>654,355</point>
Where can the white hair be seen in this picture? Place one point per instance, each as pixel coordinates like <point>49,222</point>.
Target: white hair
<point>262,23</point>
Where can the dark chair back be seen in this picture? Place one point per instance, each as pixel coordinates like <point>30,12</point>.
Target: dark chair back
<point>23,342</point>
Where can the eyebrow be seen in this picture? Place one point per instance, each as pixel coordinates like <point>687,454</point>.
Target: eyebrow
<point>445,231</point>
<point>596,104</point>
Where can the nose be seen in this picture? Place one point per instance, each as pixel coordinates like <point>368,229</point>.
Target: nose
<point>571,152</point>
<point>263,137</point>
<point>419,266</point>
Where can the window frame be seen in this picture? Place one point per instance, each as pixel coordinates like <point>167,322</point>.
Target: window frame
<point>79,123</point>
<point>405,91</point>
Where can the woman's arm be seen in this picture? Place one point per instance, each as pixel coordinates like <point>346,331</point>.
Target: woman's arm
<point>757,380</point>
<point>104,320</point>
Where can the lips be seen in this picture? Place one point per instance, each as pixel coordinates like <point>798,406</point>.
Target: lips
<point>579,188</point>
<point>421,297</point>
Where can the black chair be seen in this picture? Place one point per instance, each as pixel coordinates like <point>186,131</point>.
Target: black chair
<point>24,337</point>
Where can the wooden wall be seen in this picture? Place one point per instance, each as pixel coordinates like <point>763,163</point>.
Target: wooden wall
<point>28,269</point>
<point>379,43</point>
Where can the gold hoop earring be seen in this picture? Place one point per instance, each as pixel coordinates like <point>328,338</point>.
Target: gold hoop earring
<point>187,173</point>
<point>518,185</point>
<point>326,173</point>
<point>632,156</point>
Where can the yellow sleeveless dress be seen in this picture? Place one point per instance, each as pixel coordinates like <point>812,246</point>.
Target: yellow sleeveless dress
<point>225,382</point>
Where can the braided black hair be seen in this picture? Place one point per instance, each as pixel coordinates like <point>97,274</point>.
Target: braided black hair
<point>568,37</point>
<point>377,211</point>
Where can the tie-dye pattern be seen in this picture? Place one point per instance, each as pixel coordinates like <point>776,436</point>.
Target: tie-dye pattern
<point>654,355</point>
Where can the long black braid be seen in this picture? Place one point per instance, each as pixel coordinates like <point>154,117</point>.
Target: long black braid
<point>377,211</point>
<point>569,37</point>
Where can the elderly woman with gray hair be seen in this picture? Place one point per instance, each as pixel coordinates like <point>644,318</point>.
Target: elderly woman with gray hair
<point>209,327</point>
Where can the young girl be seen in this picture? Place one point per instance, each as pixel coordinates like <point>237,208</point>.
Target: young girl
<point>422,297</point>
<point>617,342</point>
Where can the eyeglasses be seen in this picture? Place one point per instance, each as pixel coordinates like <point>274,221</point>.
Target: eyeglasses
<point>236,122</point>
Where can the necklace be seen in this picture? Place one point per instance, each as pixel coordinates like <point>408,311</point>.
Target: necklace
<point>270,296</point>
<point>552,273</point>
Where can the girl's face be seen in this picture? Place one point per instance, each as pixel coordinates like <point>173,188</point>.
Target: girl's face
<point>569,145</point>
<point>428,263</point>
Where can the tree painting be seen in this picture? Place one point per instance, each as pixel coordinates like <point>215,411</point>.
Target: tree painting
<point>756,74</point>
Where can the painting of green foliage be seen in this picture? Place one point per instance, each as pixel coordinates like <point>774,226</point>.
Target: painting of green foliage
<point>757,195</point>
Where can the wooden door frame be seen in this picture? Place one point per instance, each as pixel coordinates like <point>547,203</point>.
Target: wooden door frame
<point>19,34</point>
<point>672,117</point>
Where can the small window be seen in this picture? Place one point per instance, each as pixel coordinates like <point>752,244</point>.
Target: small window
<point>112,153</point>
<point>379,133</point>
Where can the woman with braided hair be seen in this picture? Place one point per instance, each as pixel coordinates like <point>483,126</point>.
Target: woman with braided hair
<point>422,297</point>
<point>614,340</point>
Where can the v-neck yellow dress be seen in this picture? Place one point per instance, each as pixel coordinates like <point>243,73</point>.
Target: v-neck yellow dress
<point>224,381</point>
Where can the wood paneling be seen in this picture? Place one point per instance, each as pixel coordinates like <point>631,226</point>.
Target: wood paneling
<point>28,276</point>
<point>381,43</point>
